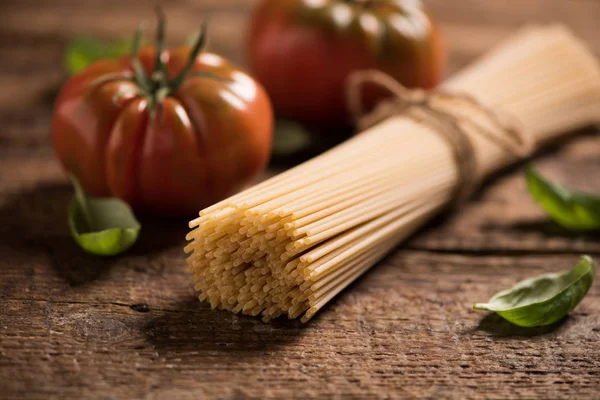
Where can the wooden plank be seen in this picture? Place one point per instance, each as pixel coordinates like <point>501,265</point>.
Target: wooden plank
<point>117,18</point>
<point>407,329</point>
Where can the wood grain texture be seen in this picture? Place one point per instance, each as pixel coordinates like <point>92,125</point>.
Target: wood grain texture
<point>75,326</point>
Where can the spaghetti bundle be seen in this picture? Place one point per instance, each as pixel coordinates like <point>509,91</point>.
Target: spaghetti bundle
<point>290,244</point>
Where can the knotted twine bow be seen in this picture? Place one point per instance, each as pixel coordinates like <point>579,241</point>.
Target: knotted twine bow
<point>421,106</point>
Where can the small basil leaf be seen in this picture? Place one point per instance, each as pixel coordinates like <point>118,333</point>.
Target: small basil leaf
<point>574,210</point>
<point>290,138</point>
<point>82,51</point>
<point>104,227</point>
<point>545,299</point>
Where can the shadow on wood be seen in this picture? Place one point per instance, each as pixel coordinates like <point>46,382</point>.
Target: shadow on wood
<point>542,226</point>
<point>550,149</point>
<point>193,328</point>
<point>34,222</point>
<point>319,141</point>
<point>499,327</point>
<point>159,234</point>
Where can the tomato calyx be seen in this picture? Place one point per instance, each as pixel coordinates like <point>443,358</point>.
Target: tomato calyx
<point>156,87</point>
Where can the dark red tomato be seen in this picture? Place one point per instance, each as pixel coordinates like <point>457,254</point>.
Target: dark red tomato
<point>302,51</point>
<point>189,131</point>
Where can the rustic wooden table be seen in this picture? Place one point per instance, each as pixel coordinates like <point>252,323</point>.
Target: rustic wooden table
<point>74,326</point>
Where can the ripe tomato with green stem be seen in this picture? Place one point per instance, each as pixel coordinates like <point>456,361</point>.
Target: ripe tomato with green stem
<point>169,131</point>
<point>302,51</point>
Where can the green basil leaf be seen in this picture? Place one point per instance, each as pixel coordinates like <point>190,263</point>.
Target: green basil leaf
<point>104,227</point>
<point>545,299</point>
<point>574,210</point>
<point>290,138</point>
<point>82,51</point>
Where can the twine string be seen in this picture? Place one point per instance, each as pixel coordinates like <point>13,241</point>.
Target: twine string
<point>424,107</point>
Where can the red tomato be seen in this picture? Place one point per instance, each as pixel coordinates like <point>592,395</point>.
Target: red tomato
<point>302,51</point>
<point>163,147</point>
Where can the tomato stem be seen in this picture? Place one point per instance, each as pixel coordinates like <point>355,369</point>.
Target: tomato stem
<point>157,87</point>
<point>198,47</point>
<point>140,74</point>
<point>159,65</point>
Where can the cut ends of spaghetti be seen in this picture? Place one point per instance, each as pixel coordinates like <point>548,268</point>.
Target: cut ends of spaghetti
<point>289,245</point>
